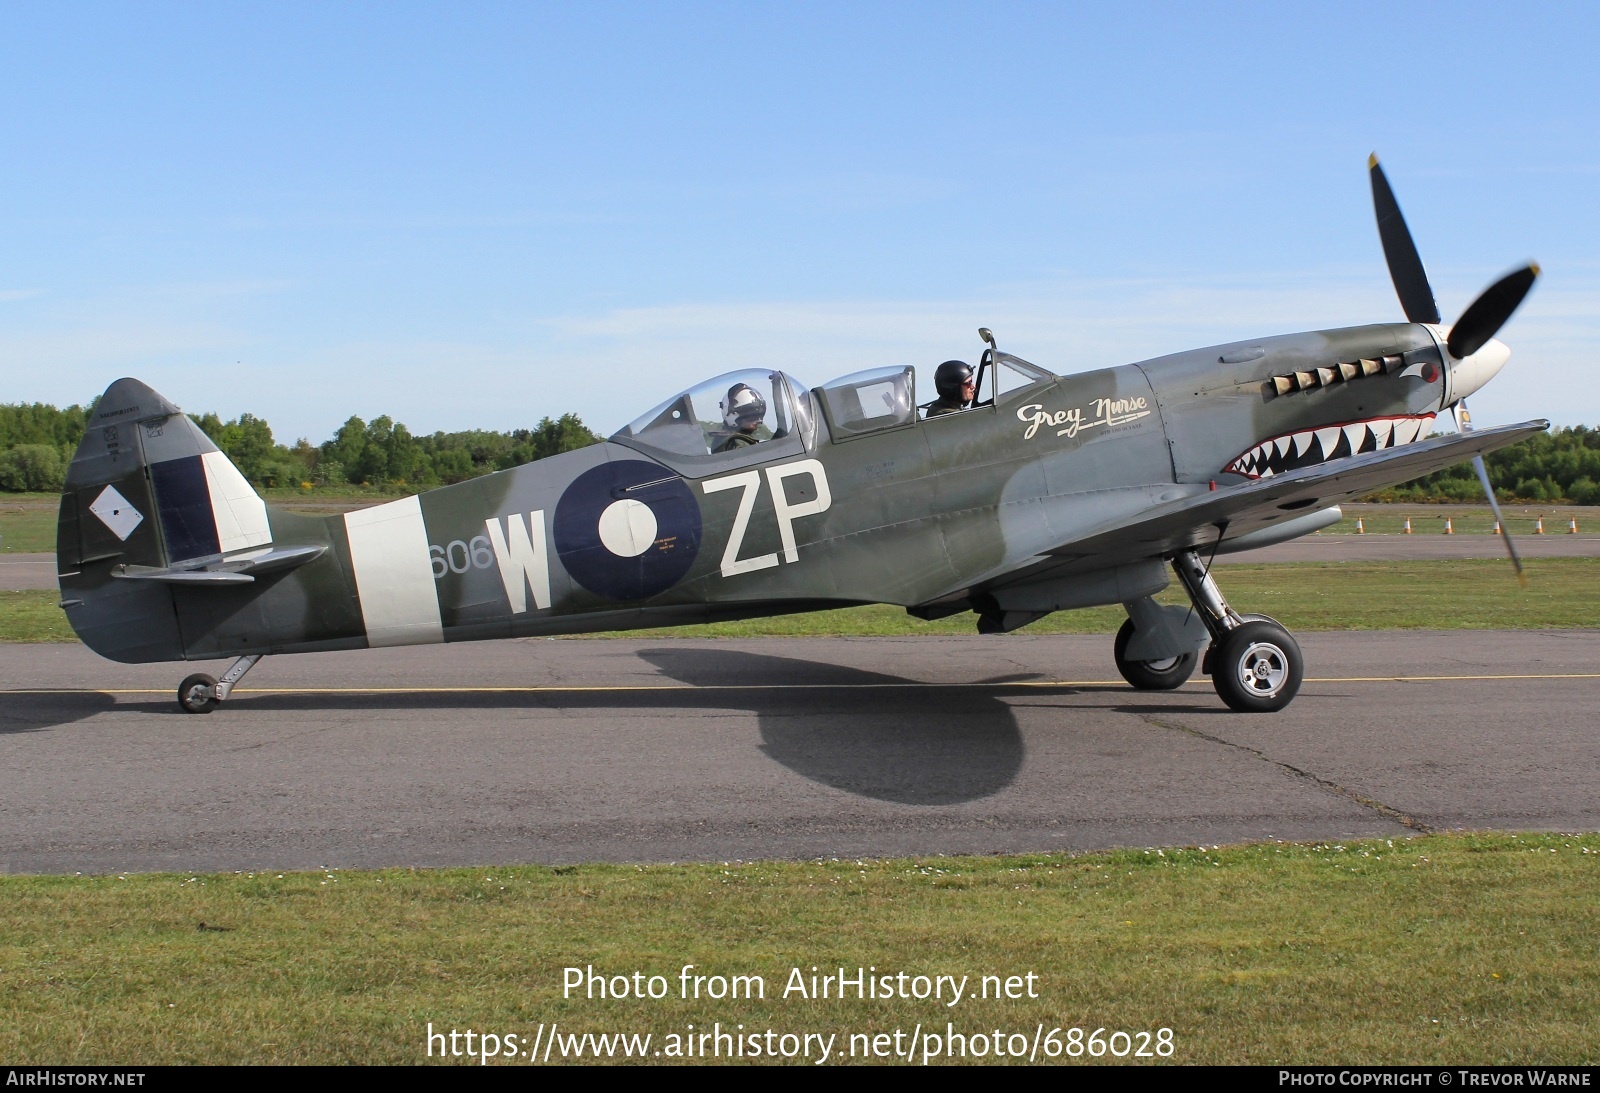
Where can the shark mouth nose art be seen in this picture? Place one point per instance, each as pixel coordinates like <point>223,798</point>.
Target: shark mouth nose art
<point>1308,447</point>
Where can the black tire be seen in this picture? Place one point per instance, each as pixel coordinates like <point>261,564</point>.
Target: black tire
<point>1257,668</point>
<point>198,694</point>
<point>1151,675</point>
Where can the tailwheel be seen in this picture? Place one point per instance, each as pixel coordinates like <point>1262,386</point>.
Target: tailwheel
<point>198,694</point>
<point>1151,675</point>
<point>1256,667</point>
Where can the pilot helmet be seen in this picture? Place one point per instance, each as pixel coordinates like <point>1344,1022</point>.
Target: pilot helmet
<point>949,377</point>
<point>744,406</point>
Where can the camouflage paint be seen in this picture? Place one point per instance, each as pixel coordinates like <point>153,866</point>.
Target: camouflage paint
<point>938,514</point>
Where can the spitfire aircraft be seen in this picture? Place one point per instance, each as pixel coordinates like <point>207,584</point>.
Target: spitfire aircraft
<point>751,494</point>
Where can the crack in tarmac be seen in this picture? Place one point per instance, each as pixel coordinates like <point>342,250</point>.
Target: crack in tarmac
<point>1388,812</point>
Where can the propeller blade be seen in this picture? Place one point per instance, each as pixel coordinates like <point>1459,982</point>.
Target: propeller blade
<point>1488,491</point>
<point>1464,425</point>
<point>1405,264</point>
<point>1485,315</point>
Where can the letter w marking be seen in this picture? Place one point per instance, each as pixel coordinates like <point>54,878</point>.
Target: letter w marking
<point>524,561</point>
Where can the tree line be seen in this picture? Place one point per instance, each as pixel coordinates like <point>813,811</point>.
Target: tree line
<point>37,442</point>
<point>1561,466</point>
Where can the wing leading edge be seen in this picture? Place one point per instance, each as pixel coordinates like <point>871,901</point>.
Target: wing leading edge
<point>1201,520</point>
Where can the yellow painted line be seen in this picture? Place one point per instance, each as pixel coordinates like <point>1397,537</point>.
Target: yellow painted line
<point>1436,679</point>
<point>667,687</point>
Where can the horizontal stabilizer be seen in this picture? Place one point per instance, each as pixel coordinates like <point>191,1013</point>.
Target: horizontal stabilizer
<point>237,570</point>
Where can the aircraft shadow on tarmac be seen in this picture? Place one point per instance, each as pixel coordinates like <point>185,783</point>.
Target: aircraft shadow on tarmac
<point>24,712</point>
<point>875,736</point>
<point>859,731</point>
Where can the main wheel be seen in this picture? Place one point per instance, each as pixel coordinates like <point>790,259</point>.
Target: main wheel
<point>1257,668</point>
<point>1151,675</point>
<point>198,694</point>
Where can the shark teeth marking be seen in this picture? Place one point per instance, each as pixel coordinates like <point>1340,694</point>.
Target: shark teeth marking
<point>1309,447</point>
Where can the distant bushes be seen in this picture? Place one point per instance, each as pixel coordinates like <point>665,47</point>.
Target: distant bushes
<point>36,445</point>
<point>32,467</point>
<point>37,442</point>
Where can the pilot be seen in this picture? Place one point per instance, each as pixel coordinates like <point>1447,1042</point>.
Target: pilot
<point>742,411</point>
<point>956,386</point>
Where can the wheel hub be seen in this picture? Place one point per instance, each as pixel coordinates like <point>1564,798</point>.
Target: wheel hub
<point>1263,669</point>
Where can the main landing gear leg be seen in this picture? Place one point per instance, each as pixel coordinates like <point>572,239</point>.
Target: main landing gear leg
<point>1254,663</point>
<point>201,693</point>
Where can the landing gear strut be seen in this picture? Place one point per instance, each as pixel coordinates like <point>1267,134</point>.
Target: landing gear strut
<point>1255,664</point>
<point>201,693</point>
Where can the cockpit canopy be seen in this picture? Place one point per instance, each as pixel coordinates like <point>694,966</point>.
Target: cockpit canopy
<point>755,415</point>
<point>710,417</point>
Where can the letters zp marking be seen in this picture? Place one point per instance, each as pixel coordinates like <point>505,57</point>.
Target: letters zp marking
<point>787,513</point>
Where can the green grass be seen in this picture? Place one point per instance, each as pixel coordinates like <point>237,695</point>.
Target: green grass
<point>27,523</point>
<point>330,498</point>
<point>33,617</point>
<point>1444,949</point>
<point>28,520</point>
<point>1476,594</point>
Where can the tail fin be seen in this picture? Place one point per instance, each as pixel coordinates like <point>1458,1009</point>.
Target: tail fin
<point>146,489</point>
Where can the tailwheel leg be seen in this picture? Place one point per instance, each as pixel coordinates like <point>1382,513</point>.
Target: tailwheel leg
<point>1255,664</point>
<point>201,693</point>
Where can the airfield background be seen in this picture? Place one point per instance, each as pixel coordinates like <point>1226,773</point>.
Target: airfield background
<point>37,441</point>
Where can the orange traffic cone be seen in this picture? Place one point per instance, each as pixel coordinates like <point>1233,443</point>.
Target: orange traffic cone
<point>1449,526</point>
<point>1538,529</point>
<point>1572,527</point>
<point>1361,528</point>
<point>1496,530</point>
<point>1408,525</point>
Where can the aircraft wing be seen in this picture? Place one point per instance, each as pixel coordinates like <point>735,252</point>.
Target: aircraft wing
<point>1197,522</point>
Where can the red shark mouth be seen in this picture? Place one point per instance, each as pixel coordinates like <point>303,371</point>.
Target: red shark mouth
<point>1308,447</point>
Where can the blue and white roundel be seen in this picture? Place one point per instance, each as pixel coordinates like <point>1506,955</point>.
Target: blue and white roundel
<point>624,533</point>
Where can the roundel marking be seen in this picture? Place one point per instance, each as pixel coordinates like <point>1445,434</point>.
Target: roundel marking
<point>623,533</point>
<point>628,528</point>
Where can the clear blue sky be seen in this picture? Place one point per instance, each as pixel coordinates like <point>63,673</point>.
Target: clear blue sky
<point>476,215</point>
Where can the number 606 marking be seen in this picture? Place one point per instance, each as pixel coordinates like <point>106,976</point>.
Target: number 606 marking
<point>459,556</point>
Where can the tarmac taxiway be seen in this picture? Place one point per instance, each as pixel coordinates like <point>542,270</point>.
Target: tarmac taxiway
<point>553,751</point>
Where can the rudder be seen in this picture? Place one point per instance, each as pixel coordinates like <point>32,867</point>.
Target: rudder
<point>146,489</point>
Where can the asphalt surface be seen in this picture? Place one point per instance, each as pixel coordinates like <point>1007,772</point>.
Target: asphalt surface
<point>624,750</point>
<point>21,572</point>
